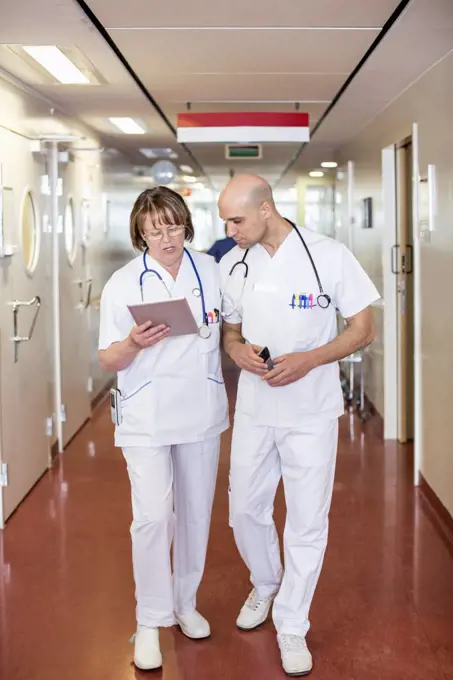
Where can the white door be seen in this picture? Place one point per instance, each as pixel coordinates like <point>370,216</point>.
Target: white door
<point>24,300</point>
<point>405,292</point>
<point>75,291</point>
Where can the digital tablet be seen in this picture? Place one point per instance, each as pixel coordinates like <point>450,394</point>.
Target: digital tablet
<point>174,313</point>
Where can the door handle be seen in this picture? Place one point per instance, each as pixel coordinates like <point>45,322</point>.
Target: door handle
<point>16,305</point>
<point>85,298</point>
<point>394,265</point>
<point>410,265</point>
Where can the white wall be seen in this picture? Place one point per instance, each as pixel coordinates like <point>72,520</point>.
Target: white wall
<point>428,102</point>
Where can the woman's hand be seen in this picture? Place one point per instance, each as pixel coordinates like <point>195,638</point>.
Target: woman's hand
<point>120,355</point>
<point>147,335</point>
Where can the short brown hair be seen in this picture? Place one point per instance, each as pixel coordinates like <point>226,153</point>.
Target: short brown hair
<point>163,205</point>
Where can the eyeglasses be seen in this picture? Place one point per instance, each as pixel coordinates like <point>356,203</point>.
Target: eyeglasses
<point>172,232</point>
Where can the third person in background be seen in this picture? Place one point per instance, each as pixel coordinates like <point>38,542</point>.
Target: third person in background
<point>221,247</point>
<point>281,287</point>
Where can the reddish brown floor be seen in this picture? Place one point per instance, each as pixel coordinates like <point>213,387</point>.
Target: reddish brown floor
<point>383,609</point>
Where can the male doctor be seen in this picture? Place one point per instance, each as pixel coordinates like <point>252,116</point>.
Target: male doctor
<point>283,294</point>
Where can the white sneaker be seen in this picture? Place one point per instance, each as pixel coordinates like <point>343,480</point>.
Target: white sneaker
<point>193,625</point>
<point>254,612</point>
<point>147,656</point>
<point>296,658</point>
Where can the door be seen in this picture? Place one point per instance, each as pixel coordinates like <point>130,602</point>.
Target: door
<point>403,259</point>
<point>24,298</point>
<point>75,293</point>
<point>343,205</point>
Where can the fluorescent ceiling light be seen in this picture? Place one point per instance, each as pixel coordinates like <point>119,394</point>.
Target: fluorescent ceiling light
<point>189,179</point>
<point>198,185</point>
<point>159,153</point>
<point>329,164</point>
<point>58,65</point>
<point>316,173</point>
<point>185,168</point>
<point>127,125</point>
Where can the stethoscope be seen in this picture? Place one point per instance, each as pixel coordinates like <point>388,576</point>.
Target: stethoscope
<point>323,300</point>
<point>203,331</point>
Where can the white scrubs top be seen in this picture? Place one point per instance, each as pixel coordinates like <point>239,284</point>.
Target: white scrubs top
<point>278,309</point>
<point>173,392</point>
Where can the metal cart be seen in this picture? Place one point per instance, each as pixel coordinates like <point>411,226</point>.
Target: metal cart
<point>348,373</point>
<point>354,397</point>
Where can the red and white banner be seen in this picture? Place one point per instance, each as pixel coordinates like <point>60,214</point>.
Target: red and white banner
<point>243,127</point>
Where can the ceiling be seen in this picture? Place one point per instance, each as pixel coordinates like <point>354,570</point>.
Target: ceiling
<point>292,52</point>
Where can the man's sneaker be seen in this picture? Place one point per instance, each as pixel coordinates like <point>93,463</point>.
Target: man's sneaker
<point>296,658</point>
<point>193,625</point>
<point>147,656</point>
<point>254,612</point>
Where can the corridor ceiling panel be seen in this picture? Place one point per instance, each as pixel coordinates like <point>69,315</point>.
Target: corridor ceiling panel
<point>216,51</point>
<point>310,13</point>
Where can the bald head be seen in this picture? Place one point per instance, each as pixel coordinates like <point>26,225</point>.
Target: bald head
<point>248,190</point>
<point>247,206</point>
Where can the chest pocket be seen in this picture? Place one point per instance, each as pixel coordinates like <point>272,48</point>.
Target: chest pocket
<point>209,351</point>
<point>212,304</point>
<point>304,318</point>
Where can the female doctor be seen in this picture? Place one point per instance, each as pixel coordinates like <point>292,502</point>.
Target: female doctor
<point>172,410</point>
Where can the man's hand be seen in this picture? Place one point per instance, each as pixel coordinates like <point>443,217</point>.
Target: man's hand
<point>246,357</point>
<point>147,335</point>
<point>289,368</point>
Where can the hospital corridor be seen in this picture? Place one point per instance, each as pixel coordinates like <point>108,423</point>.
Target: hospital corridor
<point>226,378</point>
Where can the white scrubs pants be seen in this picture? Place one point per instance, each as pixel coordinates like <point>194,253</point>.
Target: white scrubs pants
<point>172,495</point>
<point>305,457</point>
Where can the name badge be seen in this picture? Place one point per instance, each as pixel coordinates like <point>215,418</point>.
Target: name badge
<point>265,288</point>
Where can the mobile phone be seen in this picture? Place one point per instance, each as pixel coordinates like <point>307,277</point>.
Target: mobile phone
<point>266,356</point>
<point>115,406</point>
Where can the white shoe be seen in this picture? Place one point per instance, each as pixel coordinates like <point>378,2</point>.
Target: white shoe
<point>147,656</point>
<point>254,612</point>
<point>193,625</point>
<point>296,658</point>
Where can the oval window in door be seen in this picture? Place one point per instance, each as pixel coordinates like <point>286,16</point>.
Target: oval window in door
<point>69,232</point>
<point>29,233</point>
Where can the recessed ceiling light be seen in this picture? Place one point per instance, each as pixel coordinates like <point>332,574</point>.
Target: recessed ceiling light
<point>57,64</point>
<point>316,173</point>
<point>188,179</point>
<point>185,168</point>
<point>329,164</point>
<point>158,153</point>
<point>128,125</point>
<point>198,185</point>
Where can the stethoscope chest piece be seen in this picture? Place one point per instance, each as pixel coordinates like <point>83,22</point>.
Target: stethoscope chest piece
<point>204,332</point>
<point>196,292</point>
<point>323,300</point>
